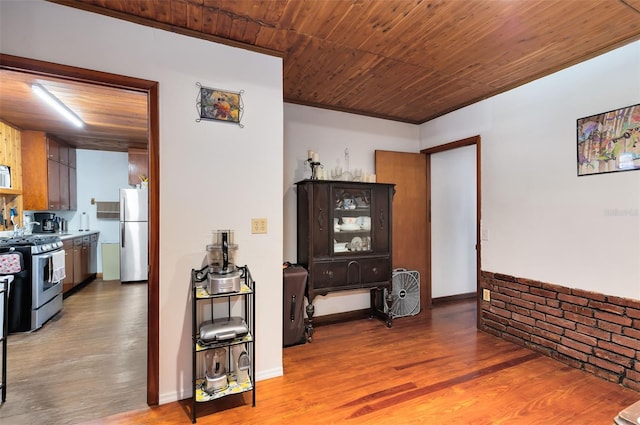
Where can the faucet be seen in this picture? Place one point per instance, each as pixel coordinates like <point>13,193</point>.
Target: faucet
<point>19,231</point>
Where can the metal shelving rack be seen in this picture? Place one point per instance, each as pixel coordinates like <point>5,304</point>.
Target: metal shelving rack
<point>246,295</point>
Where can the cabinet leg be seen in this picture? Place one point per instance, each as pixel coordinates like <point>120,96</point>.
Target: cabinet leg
<point>374,303</point>
<point>310,310</point>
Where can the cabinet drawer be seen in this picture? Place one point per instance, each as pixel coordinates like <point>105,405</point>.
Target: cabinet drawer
<point>350,274</point>
<point>329,275</point>
<point>375,270</point>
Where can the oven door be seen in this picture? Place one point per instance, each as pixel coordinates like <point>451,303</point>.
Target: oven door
<point>44,286</point>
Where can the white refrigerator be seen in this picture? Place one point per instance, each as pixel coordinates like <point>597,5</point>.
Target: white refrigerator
<point>134,235</point>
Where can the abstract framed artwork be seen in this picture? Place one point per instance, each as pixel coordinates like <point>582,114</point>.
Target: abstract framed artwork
<point>609,141</point>
<point>219,105</point>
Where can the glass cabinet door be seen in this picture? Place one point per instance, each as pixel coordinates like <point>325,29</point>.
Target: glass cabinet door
<point>351,219</point>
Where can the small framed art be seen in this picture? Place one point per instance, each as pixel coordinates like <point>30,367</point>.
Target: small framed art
<point>219,105</point>
<point>609,141</point>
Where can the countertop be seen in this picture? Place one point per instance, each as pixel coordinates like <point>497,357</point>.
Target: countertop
<point>76,234</point>
<point>71,235</point>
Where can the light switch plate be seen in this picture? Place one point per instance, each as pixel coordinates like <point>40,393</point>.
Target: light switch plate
<point>486,295</point>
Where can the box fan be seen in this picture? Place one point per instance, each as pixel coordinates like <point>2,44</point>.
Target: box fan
<point>405,292</point>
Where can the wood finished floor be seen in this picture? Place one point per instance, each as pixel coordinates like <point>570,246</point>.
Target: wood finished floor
<point>433,369</point>
<point>87,362</point>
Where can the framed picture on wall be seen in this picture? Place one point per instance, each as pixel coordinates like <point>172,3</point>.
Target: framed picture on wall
<point>609,141</point>
<point>219,105</point>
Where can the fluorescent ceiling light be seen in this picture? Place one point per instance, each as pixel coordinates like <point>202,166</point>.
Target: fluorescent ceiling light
<point>56,104</point>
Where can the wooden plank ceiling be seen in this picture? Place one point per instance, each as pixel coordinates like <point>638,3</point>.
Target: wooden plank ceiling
<point>403,60</point>
<point>114,119</point>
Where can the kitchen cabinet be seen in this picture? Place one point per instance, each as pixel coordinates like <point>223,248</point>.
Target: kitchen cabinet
<point>86,257</point>
<point>81,260</point>
<point>138,165</point>
<point>240,376</point>
<point>77,261</point>
<point>49,183</point>
<point>53,149</point>
<point>344,240</point>
<point>93,255</point>
<point>72,157</point>
<point>53,187</point>
<point>73,192</point>
<point>67,283</point>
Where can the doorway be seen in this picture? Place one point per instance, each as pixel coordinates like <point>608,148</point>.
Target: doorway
<point>453,219</point>
<point>31,66</point>
<point>433,234</point>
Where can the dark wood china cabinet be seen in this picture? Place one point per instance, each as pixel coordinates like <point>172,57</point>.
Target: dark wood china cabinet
<point>344,240</point>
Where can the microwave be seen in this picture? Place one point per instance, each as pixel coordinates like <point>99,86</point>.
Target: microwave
<point>5,177</point>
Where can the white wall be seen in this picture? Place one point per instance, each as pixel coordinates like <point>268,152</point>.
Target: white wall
<point>544,222</point>
<point>453,222</point>
<point>329,133</point>
<point>212,175</point>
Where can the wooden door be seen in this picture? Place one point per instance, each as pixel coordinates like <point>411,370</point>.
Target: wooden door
<point>408,171</point>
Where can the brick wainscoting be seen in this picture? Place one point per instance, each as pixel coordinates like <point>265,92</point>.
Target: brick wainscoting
<point>587,330</point>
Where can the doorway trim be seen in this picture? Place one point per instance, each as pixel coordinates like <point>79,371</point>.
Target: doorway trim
<point>470,141</point>
<point>37,67</point>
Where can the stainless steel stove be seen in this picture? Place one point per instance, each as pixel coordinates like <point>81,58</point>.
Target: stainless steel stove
<point>38,243</point>
<point>36,292</point>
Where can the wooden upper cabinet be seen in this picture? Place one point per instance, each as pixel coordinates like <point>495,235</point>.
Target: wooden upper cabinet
<point>35,181</point>
<point>54,194</point>
<point>72,157</point>
<point>47,183</point>
<point>138,165</point>
<point>73,191</point>
<point>53,149</point>
<point>63,152</point>
<point>63,185</point>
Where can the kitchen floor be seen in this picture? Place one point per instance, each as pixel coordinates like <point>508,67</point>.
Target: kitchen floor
<point>87,362</point>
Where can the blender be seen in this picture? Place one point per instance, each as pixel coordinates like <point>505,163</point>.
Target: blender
<point>223,276</point>
<point>215,377</point>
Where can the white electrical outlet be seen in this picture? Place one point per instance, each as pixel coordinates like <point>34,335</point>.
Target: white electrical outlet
<point>258,225</point>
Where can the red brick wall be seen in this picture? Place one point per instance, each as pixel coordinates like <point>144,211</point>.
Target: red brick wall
<point>587,330</point>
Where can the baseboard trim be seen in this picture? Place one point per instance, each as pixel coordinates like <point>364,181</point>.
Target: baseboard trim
<point>346,316</point>
<point>453,298</point>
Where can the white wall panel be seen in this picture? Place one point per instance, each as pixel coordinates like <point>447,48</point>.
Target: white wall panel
<point>212,174</point>
<point>544,222</point>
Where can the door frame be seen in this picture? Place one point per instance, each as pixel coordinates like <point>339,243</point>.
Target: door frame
<point>469,141</point>
<point>31,66</point>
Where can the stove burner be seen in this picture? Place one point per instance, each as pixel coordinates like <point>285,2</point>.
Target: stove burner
<point>28,240</point>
